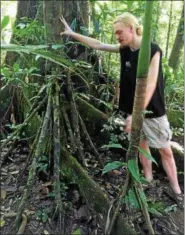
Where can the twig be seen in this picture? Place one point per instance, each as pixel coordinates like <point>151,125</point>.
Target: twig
<point>57,154</point>
<point>71,136</point>
<point>116,212</point>
<point>23,223</point>
<point>74,116</point>
<point>88,138</point>
<point>143,205</point>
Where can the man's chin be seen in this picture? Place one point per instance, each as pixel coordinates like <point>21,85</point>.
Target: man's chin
<point>123,44</point>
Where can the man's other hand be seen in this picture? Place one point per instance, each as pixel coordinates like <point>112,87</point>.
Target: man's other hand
<point>128,124</point>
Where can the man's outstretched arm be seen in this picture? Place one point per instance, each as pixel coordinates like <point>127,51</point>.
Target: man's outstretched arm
<point>88,41</point>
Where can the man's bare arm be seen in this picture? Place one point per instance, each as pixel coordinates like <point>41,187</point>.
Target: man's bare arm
<point>88,41</point>
<point>152,78</point>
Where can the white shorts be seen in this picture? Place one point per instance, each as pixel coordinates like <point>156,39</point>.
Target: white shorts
<point>157,132</point>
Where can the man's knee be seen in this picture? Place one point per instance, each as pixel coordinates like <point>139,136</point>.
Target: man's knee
<point>143,159</point>
<point>166,152</point>
<point>143,144</point>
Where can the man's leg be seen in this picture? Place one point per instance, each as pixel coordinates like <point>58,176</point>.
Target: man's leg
<point>146,163</point>
<point>170,168</point>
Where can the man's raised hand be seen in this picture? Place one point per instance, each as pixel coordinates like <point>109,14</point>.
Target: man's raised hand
<point>67,30</point>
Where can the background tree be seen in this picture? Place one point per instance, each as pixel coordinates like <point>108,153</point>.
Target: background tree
<point>178,44</point>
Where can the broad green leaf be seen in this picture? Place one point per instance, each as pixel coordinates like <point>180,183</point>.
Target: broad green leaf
<point>5,21</point>
<point>77,232</point>
<point>44,217</point>
<point>133,168</point>
<point>6,72</point>
<point>154,211</point>
<point>118,146</point>
<point>2,222</point>
<point>38,213</point>
<point>112,166</point>
<point>55,47</point>
<point>16,67</point>
<point>73,25</point>
<point>131,199</point>
<point>147,155</point>
<point>55,58</point>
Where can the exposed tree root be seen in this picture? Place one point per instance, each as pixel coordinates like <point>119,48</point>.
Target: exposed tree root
<point>88,139</point>
<point>96,199</point>
<point>32,172</point>
<point>57,156</point>
<point>23,125</point>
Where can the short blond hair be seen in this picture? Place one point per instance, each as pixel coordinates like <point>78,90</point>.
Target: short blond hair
<point>129,19</point>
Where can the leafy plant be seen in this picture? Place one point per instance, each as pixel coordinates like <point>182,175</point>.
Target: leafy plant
<point>42,164</point>
<point>131,199</point>
<point>42,214</point>
<point>113,166</point>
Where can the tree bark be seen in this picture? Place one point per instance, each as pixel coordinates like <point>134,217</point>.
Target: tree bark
<point>178,44</point>
<point>96,199</point>
<point>169,29</point>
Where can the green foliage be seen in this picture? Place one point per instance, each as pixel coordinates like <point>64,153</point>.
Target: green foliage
<point>29,31</point>
<point>77,232</point>
<point>107,146</point>
<point>4,22</point>
<point>134,170</point>
<point>113,166</point>
<point>42,164</point>
<point>174,86</point>
<point>147,155</point>
<point>131,199</point>
<point>42,214</point>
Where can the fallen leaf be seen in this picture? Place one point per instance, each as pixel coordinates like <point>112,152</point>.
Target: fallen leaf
<point>2,222</point>
<point>46,232</point>
<point>14,172</point>
<point>3,194</point>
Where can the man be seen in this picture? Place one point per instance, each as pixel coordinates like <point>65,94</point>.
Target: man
<point>157,133</point>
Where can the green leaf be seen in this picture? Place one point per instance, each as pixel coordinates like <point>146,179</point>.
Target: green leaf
<point>44,217</point>
<point>154,211</point>
<point>51,56</point>
<point>131,199</point>
<point>112,166</point>
<point>16,67</point>
<point>171,208</point>
<point>147,155</point>
<point>134,170</point>
<point>118,146</point>
<point>55,47</point>
<point>38,213</point>
<point>77,232</point>
<point>4,22</point>
<point>6,72</point>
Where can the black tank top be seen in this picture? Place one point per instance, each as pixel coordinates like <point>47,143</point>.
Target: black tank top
<point>129,61</point>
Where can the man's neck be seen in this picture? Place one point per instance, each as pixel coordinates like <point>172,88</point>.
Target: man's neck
<point>136,44</point>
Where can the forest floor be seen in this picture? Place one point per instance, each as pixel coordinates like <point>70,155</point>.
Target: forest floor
<point>167,218</point>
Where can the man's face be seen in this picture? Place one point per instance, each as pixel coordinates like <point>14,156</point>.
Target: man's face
<point>123,33</point>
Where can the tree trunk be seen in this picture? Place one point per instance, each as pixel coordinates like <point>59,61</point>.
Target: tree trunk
<point>96,199</point>
<point>137,115</point>
<point>178,44</point>
<point>24,9</point>
<point>156,28</point>
<point>169,28</point>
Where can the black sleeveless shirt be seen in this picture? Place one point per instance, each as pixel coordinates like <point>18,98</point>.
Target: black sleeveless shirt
<point>129,60</point>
